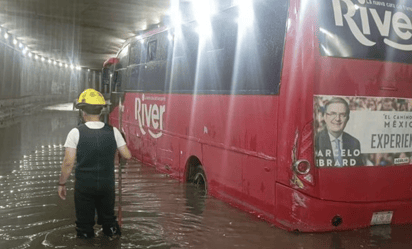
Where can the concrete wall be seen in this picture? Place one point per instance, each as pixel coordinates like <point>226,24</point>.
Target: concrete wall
<point>27,84</point>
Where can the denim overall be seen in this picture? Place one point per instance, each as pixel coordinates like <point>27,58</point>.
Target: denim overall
<point>95,187</point>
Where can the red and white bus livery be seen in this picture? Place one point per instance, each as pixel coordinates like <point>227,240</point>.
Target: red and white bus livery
<point>297,111</point>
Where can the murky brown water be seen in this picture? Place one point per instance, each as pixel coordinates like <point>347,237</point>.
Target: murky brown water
<point>158,212</point>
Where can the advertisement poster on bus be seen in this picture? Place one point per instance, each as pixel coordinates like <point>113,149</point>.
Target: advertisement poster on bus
<point>366,29</point>
<point>362,131</point>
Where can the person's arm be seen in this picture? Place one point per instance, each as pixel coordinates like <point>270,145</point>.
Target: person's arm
<point>67,167</point>
<point>124,152</point>
<point>121,140</point>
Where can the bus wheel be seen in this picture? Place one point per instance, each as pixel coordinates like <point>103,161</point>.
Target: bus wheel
<point>199,180</point>
<point>196,191</point>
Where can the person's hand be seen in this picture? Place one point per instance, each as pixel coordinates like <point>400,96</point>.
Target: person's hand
<point>122,160</point>
<point>62,192</point>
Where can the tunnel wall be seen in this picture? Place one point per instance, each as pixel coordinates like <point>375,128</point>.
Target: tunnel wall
<point>28,84</point>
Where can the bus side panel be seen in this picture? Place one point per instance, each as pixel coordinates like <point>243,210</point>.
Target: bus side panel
<point>296,93</point>
<point>167,158</point>
<point>239,143</point>
<point>258,184</point>
<point>248,184</point>
<point>189,148</point>
<point>223,180</point>
<point>148,150</point>
<point>246,141</point>
<point>134,141</point>
<point>114,117</point>
<point>246,124</point>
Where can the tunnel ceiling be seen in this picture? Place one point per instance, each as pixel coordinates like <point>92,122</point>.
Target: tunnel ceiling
<point>79,32</point>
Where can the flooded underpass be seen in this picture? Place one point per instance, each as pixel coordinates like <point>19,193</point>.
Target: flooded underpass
<point>157,211</point>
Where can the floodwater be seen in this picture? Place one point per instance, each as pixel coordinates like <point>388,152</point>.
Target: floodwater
<point>157,211</point>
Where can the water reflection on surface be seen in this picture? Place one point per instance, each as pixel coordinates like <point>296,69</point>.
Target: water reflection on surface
<point>158,212</point>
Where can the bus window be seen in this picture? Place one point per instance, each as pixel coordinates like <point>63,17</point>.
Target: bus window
<point>151,50</point>
<point>115,80</point>
<point>123,58</point>
<point>135,48</point>
<point>105,80</point>
<point>235,57</point>
<point>143,52</point>
<point>165,41</point>
<point>184,59</point>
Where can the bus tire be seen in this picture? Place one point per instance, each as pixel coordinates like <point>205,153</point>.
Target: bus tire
<point>199,179</point>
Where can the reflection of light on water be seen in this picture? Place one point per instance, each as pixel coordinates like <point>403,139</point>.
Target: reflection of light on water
<point>383,232</point>
<point>61,107</point>
<point>52,238</point>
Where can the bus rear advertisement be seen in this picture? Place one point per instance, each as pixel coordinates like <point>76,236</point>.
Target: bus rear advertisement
<point>297,111</point>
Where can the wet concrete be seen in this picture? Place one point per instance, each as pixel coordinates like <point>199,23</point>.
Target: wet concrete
<point>158,212</point>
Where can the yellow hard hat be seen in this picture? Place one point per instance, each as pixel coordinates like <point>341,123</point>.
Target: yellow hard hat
<point>90,97</point>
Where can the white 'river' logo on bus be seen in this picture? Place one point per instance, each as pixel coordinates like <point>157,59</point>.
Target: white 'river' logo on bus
<point>399,21</point>
<point>150,116</point>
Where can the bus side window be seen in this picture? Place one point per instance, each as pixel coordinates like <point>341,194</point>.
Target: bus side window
<point>115,80</point>
<point>135,48</point>
<point>105,80</point>
<point>143,52</point>
<point>151,50</point>
<point>123,58</point>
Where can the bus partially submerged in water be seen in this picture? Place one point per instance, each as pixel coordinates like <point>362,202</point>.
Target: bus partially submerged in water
<point>246,99</point>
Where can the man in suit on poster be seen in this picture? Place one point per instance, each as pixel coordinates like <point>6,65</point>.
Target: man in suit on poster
<point>333,146</point>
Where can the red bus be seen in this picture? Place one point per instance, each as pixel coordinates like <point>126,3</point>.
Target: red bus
<point>297,111</point>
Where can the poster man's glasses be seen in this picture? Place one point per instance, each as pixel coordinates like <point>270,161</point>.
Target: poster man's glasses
<point>334,115</point>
